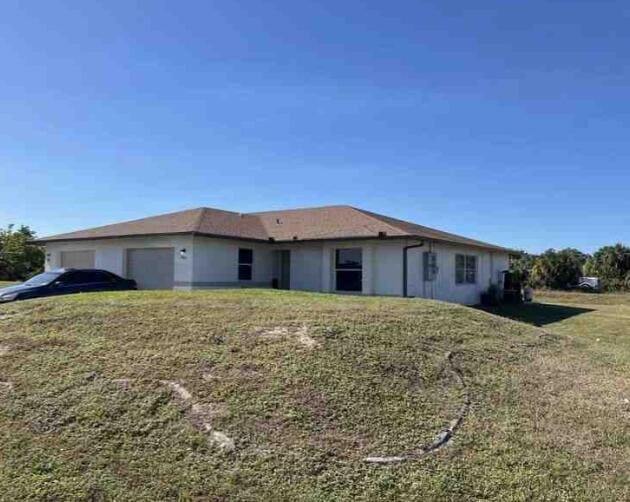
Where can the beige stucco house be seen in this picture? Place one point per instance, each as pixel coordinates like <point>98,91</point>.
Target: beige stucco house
<point>329,249</point>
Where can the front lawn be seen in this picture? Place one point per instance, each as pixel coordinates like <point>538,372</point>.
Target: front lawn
<point>269,395</point>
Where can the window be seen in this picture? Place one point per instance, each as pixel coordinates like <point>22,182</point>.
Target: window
<point>465,269</point>
<point>74,278</point>
<point>100,277</point>
<point>349,269</point>
<point>429,265</point>
<point>43,279</point>
<point>245,264</point>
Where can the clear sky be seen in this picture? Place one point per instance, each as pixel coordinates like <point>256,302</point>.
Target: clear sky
<point>505,121</point>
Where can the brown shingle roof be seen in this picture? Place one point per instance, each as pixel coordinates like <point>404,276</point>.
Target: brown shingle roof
<point>320,223</point>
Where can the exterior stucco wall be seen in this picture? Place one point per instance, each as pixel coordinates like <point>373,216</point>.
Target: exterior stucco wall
<point>383,269</point>
<point>215,263</point>
<point>110,254</point>
<point>212,262</point>
<point>388,268</point>
<point>489,268</point>
<point>306,266</point>
<point>382,265</point>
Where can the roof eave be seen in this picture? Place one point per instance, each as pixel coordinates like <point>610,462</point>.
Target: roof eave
<point>489,247</point>
<point>44,240</point>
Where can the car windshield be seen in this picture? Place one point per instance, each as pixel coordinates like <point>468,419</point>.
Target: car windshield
<point>42,279</point>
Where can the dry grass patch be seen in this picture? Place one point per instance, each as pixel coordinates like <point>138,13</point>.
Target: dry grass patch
<point>306,386</point>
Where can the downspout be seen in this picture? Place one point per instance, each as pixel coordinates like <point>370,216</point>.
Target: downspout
<point>405,259</point>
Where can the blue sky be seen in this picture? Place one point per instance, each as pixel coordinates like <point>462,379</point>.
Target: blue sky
<point>505,121</point>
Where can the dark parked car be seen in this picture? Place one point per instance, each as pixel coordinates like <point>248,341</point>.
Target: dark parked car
<point>64,282</point>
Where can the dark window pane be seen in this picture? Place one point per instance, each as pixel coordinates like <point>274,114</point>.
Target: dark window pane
<point>244,272</point>
<point>471,262</point>
<point>349,258</point>
<point>460,276</point>
<point>471,277</point>
<point>471,269</point>
<point>74,278</point>
<point>68,279</point>
<point>460,269</point>
<point>111,277</point>
<point>100,277</point>
<point>246,256</point>
<point>88,277</point>
<point>465,269</point>
<point>349,280</point>
<point>43,279</point>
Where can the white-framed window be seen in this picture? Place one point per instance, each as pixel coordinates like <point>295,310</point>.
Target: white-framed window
<point>245,264</point>
<point>465,269</point>
<point>429,266</point>
<point>349,269</point>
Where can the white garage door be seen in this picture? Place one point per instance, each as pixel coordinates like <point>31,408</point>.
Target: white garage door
<point>77,259</point>
<point>152,268</point>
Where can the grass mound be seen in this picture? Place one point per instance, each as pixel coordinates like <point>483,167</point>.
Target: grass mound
<point>122,395</point>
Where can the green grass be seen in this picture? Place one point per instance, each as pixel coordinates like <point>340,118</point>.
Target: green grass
<point>5,284</point>
<point>548,419</point>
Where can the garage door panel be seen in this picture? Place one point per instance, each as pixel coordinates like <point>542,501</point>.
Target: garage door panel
<point>77,259</point>
<point>152,268</point>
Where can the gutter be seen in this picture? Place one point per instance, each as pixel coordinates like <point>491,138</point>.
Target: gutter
<point>405,266</point>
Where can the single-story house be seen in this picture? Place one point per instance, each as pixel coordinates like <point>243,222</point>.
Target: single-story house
<point>330,249</point>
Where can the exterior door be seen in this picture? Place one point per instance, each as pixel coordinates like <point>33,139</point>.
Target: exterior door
<point>285,269</point>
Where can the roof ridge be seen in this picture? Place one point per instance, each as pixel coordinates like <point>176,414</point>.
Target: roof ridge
<point>310,208</point>
<point>200,218</point>
<point>219,209</point>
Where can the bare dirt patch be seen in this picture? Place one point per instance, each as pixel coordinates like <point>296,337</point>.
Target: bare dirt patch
<point>299,334</point>
<point>5,385</point>
<point>304,338</point>
<point>178,389</point>
<point>208,377</point>
<point>200,416</point>
<point>123,383</point>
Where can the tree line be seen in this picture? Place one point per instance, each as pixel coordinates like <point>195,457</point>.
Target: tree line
<point>19,259</point>
<point>560,269</point>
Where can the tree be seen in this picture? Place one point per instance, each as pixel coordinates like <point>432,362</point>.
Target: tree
<point>558,269</point>
<point>521,264</point>
<point>612,265</point>
<point>18,259</point>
